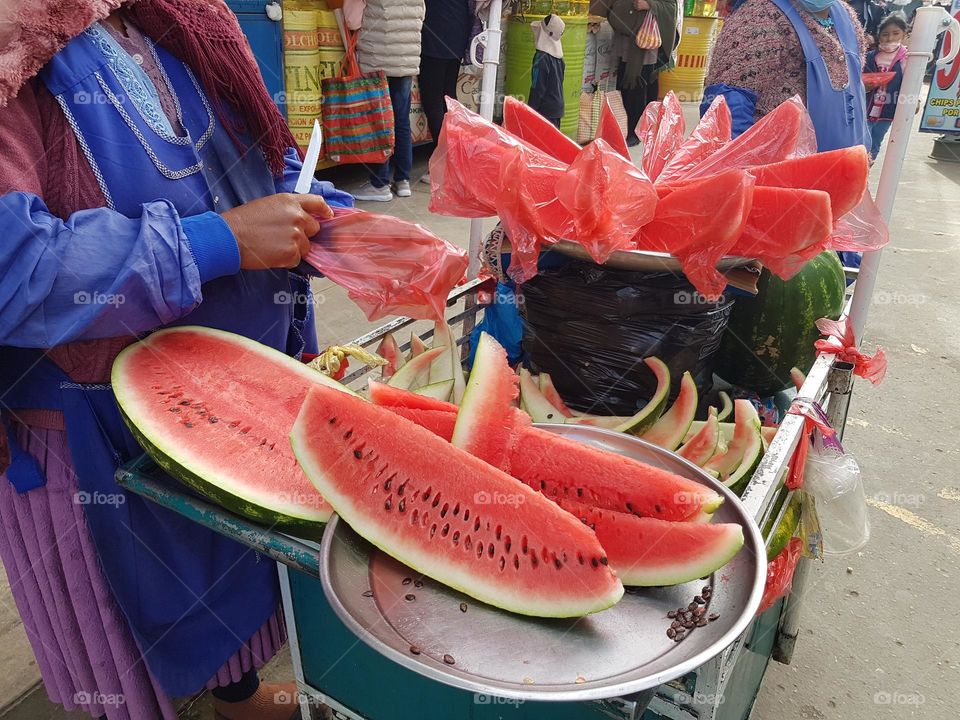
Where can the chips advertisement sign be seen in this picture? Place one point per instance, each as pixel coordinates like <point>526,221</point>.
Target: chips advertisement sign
<point>941,114</point>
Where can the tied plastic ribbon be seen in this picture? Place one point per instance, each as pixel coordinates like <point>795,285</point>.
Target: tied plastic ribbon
<point>841,342</point>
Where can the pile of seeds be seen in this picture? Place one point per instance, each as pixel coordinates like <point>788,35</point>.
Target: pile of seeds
<point>694,615</point>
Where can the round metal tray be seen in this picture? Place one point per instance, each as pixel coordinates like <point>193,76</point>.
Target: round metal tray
<point>619,651</point>
<point>643,260</point>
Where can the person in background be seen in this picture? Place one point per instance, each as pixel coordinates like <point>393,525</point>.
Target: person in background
<point>639,69</point>
<point>869,13</point>
<point>546,75</point>
<point>446,34</point>
<point>770,50</point>
<point>146,181</point>
<point>890,55</point>
<point>390,41</point>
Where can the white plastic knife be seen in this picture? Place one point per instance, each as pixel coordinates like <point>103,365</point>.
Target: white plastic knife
<point>305,180</point>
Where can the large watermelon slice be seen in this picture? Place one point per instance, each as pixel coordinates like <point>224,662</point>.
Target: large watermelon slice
<point>448,514</point>
<point>533,128</point>
<point>842,174</point>
<point>649,552</point>
<point>215,410</point>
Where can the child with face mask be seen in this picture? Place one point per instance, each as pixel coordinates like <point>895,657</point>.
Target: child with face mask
<point>889,56</point>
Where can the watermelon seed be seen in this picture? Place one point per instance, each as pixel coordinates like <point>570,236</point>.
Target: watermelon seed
<point>699,600</point>
<point>445,530</point>
<point>184,402</point>
<point>456,538</point>
<point>507,544</point>
<point>414,650</point>
<point>448,659</point>
<point>491,550</point>
<point>692,606</point>
<point>402,487</point>
<point>263,442</point>
<point>174,409</point>
<point>503,563</point>
<point>558,563</point>
<point>604,561</point>
<point>387,504</point>
<point>402,506</point>
<point>593,561</point>
<point>476,525</point>
<point>671,633</point>
<point>629,508</point>
<point>523,544</point>
<point>358,454</point>
<point>543,485</point>
<point>333,421</point>
<point>499,531</point>
<point>680,634</point>
<point>533,560</point>
<point>388,481</point>
<point>214,419</point>
<point>701,623</point>
<point>456,510</point>
<point>443,510</point>
<point>463,607</point>
<point>189,424</point>
<point>418,583</point>
<point>415,516</point>
<point>426,494</point>
<point>436,500</point>
<point>466,514</point>
<point>579,557</point>
<point>657,508</point>
<point>479,550</point>
<point>234,424</point>
<point>713,616</point>
<point>368,593</point>
<point>516,562</point>
<point>407,581</point>
<point>409,597</point>
<point>670,614</point>
<point>467,543</point>
<point>433,530</point>
<point>579,492</point>
<point>348,434</point>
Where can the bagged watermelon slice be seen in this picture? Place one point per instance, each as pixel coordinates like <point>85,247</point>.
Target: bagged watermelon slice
<point>661,130</point>
<point>786,228</point>
<point>608,198</point>
<point>863,229</point>
<point>711,133</point>
<point>534,129</point>
<point>448,514</point>
<point>699,221</point>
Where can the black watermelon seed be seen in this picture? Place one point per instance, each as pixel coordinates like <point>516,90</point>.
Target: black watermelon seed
<point>671,633</point>
<point>407,581</point>
<point>184,402</point>
<point>672,614</point>
<point>333,421</point>
<point>214,419</point>
<point>189,424</point>
<point>368,593</point>
<point>463,607</point>
<point>348,434</point>
<point>558,563</point>
<point>692,606</point>
<point>174,409</point>
<point>579,492</point>
<point>418,583</point>
<point>414,650</point>
<point>699,600</point>
<point>448,659</point>
<point>713,616</point>
<point>689,624</point>
<point>387,505</point>
<point>409,597</point>
<point>402,506</point>
<point>706,590</point>
<point>593,561</point>
<point>701,623</point>
<point>604,561</point>
<point>358,454</point>
<point>386,483</point>
<point>456,537</point>
<point>679,637</point>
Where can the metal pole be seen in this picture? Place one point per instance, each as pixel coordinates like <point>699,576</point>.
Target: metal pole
<point>928,24</point>
<point>488,96</point>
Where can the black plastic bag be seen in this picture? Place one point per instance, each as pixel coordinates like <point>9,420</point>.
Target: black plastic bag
<point>591,326</point>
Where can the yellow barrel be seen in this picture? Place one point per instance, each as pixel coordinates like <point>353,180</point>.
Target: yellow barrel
<point>329,43</point>
<point>693,56</point>
<point>301,63</point>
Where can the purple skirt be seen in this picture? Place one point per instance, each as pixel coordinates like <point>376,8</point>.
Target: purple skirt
<point>87,656</point>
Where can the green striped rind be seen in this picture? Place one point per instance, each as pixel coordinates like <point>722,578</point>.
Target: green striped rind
<point>534,403</point>
<point>703,566</point>
<point>668,432</point>
<point>726,406</point>
<point>651,412</point>
<point>726,433</point>
<point>308,528</point>
<point>771,333</point>
<point>416,371</point>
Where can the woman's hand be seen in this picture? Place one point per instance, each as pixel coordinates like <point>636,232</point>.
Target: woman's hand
<point>641,5</point>
<point>275,231</point>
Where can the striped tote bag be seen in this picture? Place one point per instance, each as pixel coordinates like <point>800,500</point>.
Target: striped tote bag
<point>357,114</point>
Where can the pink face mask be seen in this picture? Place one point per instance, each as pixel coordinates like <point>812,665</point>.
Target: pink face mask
<point>890,47</point>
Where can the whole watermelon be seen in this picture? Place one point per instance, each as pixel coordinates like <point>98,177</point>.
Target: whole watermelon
<point>775,331</point>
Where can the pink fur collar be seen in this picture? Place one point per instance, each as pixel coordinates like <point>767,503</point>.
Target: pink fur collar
<point>33,31</point>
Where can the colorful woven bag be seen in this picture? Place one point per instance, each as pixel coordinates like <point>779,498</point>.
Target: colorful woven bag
<point>357,113</point>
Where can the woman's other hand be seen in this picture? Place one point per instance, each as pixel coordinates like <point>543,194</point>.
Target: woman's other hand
<point>641,5</point>
<point>275,231</point>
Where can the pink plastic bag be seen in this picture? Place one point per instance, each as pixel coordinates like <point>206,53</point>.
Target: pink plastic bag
<point>842,341</point>
<point>466,166</point>
<point>711,133</point>
<point>661,130</point>
<point>388,266</point>
<point>608,198</point>
<point>862,229</point>
<point>780,572</point>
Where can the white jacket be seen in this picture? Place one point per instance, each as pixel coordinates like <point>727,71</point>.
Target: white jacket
<point>390,37</point>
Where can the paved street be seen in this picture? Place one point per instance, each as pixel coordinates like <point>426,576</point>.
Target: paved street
<point>879,637</point>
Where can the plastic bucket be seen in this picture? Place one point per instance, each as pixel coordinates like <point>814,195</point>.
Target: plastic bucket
<point>519,61</point>
<point>693,57</point>
<point>329,43</point>
<point>301,69</point>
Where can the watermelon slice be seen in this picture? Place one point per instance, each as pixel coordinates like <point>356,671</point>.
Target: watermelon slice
<point>390,396</point>
<point>703,445</point>
<point>648,552</point>
<point>416,372</point>
<point>531,127</point>
<point>711,133</point>
<point>389,350</point>
<point>436,391</point>
<point>550,393</point>
<point>534,403</point>
<point>443,335</point>
<point>668,432</point>
<point>608,130</point>
<point>726,432</point>
<point>417,345</point>
<point>448,514</point>
<point>746,439</point>
<point>651,412</point>
<point>439,422</point>
<point>486,427</point>
<point>842,174</point>
<point>726,406</point>
<point>214,410</point>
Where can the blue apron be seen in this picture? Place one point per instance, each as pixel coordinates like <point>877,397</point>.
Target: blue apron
<point>191,596</point>
<point>839,116</point>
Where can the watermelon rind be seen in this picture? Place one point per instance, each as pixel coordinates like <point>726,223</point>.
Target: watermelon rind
<point>204,474</point>
<point>389,350</point>
<point>726,433</point>
<point>448,365</point>
<point>608,422</point>
<point>726,406</point>
<point>549,390</point>
<point>752,455</point>
<point>416,371</point>
<point>645,418</point>
<point>668,432</point>
<point>438,390</point>
<point>534,403</point>
<point>703,445</point>
<point>417,346</point>
<point>746,439</point>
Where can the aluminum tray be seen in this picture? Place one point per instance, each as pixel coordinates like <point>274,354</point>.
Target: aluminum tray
<point>619,651</point>
<point>643,260</point>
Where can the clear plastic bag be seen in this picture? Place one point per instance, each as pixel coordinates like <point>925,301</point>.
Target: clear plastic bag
<point>387,265</point>
<point>661,131</point>
<point>862,229</point>
<point>711,134</point>
<point>833,478</point>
